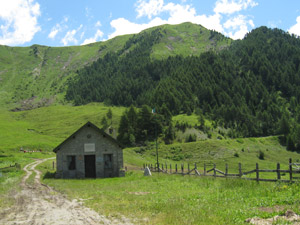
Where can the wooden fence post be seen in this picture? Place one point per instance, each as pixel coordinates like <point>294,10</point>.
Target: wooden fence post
<point>204,169</point>
<point>176,169</point>
<point>162,167</point>
<point>291,169</point>
<point>257,173</point>
<point>182,169</point>
<point>278,171</point>
<point>226,169</point>
<point>215,173</point>
<point>240,169</point>
<point>158,167</point>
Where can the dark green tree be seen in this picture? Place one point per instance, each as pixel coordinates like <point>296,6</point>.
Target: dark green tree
<point>290,145</point>
<point>109,115</point>
<point>104,123</point>
<point>169,134</point>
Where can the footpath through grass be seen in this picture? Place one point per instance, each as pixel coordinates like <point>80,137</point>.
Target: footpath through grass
<point>175,199</point>
<point>11,177</point>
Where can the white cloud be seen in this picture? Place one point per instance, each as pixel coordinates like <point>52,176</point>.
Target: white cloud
<point>235,26</point>
<point>98,24</point>
<point>70,36</point>
<point>212,22</point>
<point>18,21</point>
<point>233,6</point>
<point>57,28</point>
<point>296,28</point>
<point>149,9</point>
<point>177,14</point>
<point>238,26</point>
<point>123,26</point>
<point>98,34</point>
<point>88,13</point>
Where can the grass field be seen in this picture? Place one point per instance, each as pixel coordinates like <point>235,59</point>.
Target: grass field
<point>160,199</point>
<point>9,180</point>
<point>44,128</point>
<point>176,199</point>
<point>11,177</point>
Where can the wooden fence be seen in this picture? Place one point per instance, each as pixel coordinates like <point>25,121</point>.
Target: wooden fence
<point>293,168</point>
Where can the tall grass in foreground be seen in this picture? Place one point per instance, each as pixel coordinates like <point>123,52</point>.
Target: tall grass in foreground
<point>9,180</point>
<point>165,199</point>
<point>11,177</point>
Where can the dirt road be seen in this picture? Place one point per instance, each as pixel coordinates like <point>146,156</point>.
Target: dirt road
<point>39,204</point>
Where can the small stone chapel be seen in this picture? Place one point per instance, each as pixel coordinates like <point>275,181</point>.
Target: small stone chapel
<point>89,153</point>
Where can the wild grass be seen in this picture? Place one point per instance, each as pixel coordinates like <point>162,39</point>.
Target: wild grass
<point>176,199</point>
<point>9,180</point>
<point>11,177</point>
<point>222,152</point>
<point>45,128</point>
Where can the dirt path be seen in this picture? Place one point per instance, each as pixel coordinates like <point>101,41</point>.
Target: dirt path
<point>39,204</point>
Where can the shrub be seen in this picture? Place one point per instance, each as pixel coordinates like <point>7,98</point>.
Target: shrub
<point>191,138</point>
<point>209,135</point>
<point>261,155</point>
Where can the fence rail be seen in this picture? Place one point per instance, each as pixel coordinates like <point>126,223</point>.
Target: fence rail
<point>214,172</point>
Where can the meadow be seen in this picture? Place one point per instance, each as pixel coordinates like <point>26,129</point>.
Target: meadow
<point>176,199</point>
<point>160,199</point>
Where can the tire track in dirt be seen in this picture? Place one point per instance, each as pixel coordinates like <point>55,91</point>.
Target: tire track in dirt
<point>39,204</point>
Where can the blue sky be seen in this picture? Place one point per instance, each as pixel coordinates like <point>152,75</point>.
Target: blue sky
<point>78,22</point>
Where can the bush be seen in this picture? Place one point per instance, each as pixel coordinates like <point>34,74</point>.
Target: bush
<point>191,138</point>
<point>209,135</point>
<point>261,155</point>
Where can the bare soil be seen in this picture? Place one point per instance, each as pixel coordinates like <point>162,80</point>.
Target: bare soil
<point>39,204</point>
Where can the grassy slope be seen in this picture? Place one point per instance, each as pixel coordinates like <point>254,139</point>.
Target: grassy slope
<point>46,127</point>
<point>187,39</point>
<point>42,71</point>
<point>39,73</point>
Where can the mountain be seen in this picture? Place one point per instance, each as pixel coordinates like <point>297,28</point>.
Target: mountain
<point>36,76</point>
<point>252,86</point>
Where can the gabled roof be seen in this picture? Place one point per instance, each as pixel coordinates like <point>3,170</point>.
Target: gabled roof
<point>89,124</point>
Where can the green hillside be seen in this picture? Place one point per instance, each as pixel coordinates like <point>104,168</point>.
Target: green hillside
<point>251,87</point>
<point>36,76</point>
